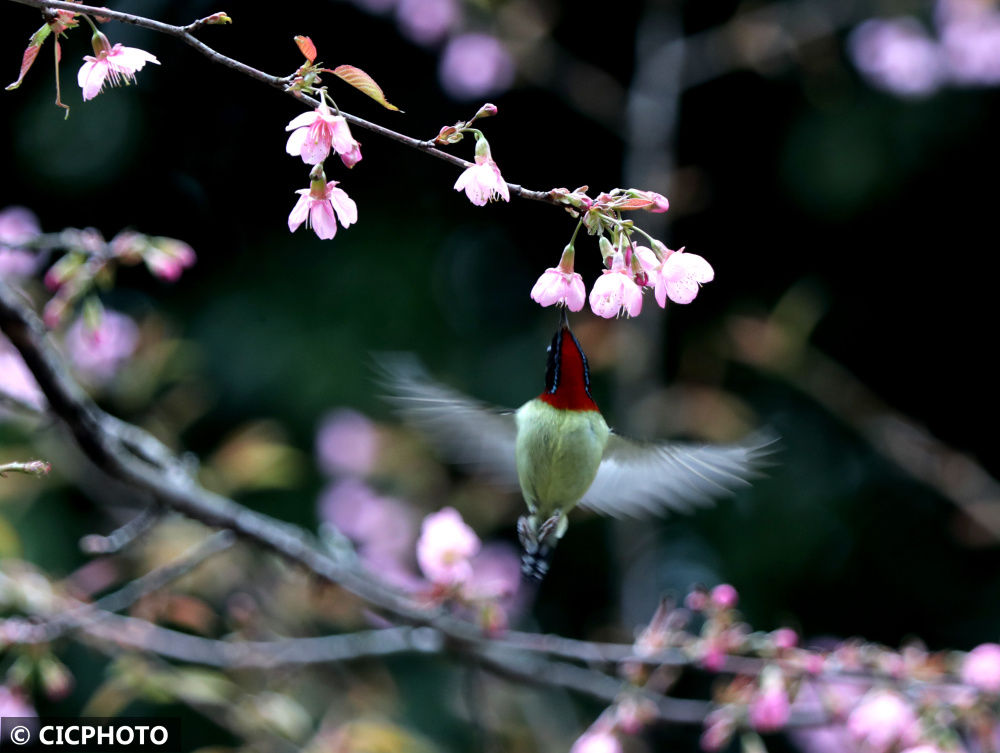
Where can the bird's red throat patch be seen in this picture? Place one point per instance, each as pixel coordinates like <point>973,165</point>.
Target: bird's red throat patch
<point>567,376</point>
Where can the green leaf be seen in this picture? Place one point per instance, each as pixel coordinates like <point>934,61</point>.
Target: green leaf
<point>363,83</point>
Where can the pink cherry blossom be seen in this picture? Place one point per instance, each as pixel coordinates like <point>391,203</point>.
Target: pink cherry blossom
<point>482,181</point>
<point>676,276</point>
<point>596,741</point>
<point>315,133</point>
<point>445,546</point>
<point>883,719</point>
<point>556,286</point>
<point>982,667</point>
<point>316,207</point>
<point>112,64</point>
<point>99,353</point>
<point>615,290</point>
<point>347,442</point>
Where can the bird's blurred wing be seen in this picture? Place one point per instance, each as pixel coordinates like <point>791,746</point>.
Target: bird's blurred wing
<point>465,430</point>
<point>639,479</point>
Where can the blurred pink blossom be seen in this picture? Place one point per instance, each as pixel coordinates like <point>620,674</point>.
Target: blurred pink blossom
<point>427,21</point>
<point>111,64</point>
<point>677,276</point>
<point>596,741</point>
<point>724,596</point>
<point>615,291</point>
<point>18,225</point>
<point>16,264</point>
<point>13,703</point>
<point>981,667</point>
<point>347,442</point>
<point>927,748</point>
<point>897,55</point>
<point>769,710</point>
<point>882,719</point>
<point>315,133</point>
<point>972,49</point>
<point>374,522</point>
<point>496,573</point>
<point>445,546</point>
<point>316,207</point>
<point>16,380</point>
<point>99,353</point>
<point>785,638</point>
<point>475,65</point>
<point>482,181</point>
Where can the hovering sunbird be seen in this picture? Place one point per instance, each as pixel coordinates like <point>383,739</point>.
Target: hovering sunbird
<point>562,453</point>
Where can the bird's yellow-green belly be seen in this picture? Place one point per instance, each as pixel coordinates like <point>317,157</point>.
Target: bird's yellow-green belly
<point>558,453</point>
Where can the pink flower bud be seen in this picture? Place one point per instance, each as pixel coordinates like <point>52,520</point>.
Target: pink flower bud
<point>724,596</point>
<point>785,638</point>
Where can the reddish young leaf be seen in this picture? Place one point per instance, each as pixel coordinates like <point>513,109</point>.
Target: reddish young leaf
<point>34,45</point>
<point>363,83</point>
<point>306,47</point>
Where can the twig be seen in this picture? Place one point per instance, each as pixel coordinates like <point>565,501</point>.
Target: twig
<point>122,536</point>
<point>184,34</point>
<point>151,582</point>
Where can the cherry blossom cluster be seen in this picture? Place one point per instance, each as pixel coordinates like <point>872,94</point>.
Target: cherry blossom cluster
<point>631,268</point>
<point>840,697</point>
<point>314,136</point>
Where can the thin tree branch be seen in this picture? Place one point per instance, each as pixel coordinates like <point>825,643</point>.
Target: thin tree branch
<point>122,536</point>
<point>184,34</point>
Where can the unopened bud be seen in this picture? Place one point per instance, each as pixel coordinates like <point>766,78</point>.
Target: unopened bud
<point>100,44</point>
<point>218,18</point>
<point>486,111</point>
<point>606,248</point>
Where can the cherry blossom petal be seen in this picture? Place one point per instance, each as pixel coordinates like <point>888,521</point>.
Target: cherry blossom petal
<point>302,120</point>
<point>316,145</point>
<point>689,265</point>
<point>295,141</point>
<point>347,209</point>
<point>322,220</point>
<point>300,211</point>
<point>91,77</point>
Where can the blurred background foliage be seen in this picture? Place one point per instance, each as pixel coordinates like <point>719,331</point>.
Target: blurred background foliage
<point>849,230</point>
